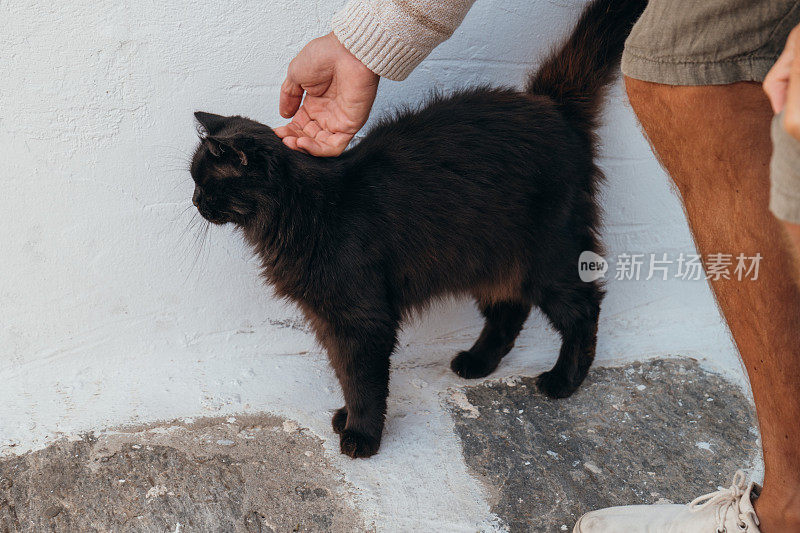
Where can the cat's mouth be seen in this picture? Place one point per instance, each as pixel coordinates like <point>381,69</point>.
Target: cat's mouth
<point>217,221</point>
<point>214,219</point>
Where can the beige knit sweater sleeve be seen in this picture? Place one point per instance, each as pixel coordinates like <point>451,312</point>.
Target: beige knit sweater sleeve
<point>392,37</point>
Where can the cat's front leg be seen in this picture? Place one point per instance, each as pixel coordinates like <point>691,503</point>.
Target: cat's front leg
<point>339,420</point>
<point>361,363</point>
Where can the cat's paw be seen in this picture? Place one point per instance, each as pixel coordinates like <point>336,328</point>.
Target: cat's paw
<point>339,420</point>
<point>357,444</point>
<point>469,366</point>
<point>555,385</point>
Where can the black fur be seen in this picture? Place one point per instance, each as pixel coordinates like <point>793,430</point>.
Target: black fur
<point>489,192</point>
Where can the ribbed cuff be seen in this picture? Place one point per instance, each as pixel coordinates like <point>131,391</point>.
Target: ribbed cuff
<point>383,53</point>
<point>784,201</point>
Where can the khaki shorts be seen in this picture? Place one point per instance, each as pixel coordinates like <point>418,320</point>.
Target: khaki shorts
<point>708,42</point>
<point>715,42</point>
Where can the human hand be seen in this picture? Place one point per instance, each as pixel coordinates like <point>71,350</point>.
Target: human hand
<point>782,84</point>
<point>339,91</point>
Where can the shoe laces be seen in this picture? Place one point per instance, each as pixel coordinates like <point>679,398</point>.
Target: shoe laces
<point>725,501</point>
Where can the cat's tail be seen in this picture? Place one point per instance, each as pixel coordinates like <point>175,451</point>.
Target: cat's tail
<point>576,75</point>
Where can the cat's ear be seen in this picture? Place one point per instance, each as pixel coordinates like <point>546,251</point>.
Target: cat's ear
<point>224,146</point>
<point>210,123</point>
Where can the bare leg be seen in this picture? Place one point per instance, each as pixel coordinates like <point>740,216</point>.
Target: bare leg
<point>714,141</point>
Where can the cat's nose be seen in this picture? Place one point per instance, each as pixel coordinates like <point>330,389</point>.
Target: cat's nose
<point>196,196</point>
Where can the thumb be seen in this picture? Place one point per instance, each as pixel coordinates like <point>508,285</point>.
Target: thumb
<point>776,82</point>
<point>791,118</point>
<point>290,98</point>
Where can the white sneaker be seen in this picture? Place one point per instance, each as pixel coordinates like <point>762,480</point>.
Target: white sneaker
<point>725,511</point>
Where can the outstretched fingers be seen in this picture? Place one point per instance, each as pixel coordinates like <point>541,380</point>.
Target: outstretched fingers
<point>325,144</point>
<point>288,130</point>
<point>307,135</point>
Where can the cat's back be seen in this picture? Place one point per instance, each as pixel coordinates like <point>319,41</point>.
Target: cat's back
<point>467,116</point>
<point>473,146</point>
<point>479,132</point>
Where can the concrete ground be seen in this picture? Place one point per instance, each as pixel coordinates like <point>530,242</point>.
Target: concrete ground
<point>656,431</point>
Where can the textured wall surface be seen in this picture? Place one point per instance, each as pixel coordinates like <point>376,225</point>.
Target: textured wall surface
<point>113,312</point>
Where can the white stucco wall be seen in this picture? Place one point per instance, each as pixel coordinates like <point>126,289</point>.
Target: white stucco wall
<point>112,312</point>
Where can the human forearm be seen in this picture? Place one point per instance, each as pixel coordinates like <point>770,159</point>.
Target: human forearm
<point>392,37</point>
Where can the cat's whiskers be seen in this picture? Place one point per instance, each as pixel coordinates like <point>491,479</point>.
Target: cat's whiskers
<point>189,225</point>
<point>199,241</point>
<point>181,214</point>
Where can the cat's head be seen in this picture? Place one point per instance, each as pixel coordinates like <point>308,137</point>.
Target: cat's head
<point>232,167</point>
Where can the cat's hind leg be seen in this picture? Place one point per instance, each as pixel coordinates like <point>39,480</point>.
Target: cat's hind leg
<point>573,311</point>
<point>504,321</point>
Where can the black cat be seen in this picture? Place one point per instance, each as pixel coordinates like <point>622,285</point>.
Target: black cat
<point>488,192</point>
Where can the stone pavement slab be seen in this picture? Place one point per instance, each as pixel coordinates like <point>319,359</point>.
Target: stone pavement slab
<point>658,431</point>
<point>243,474</point>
